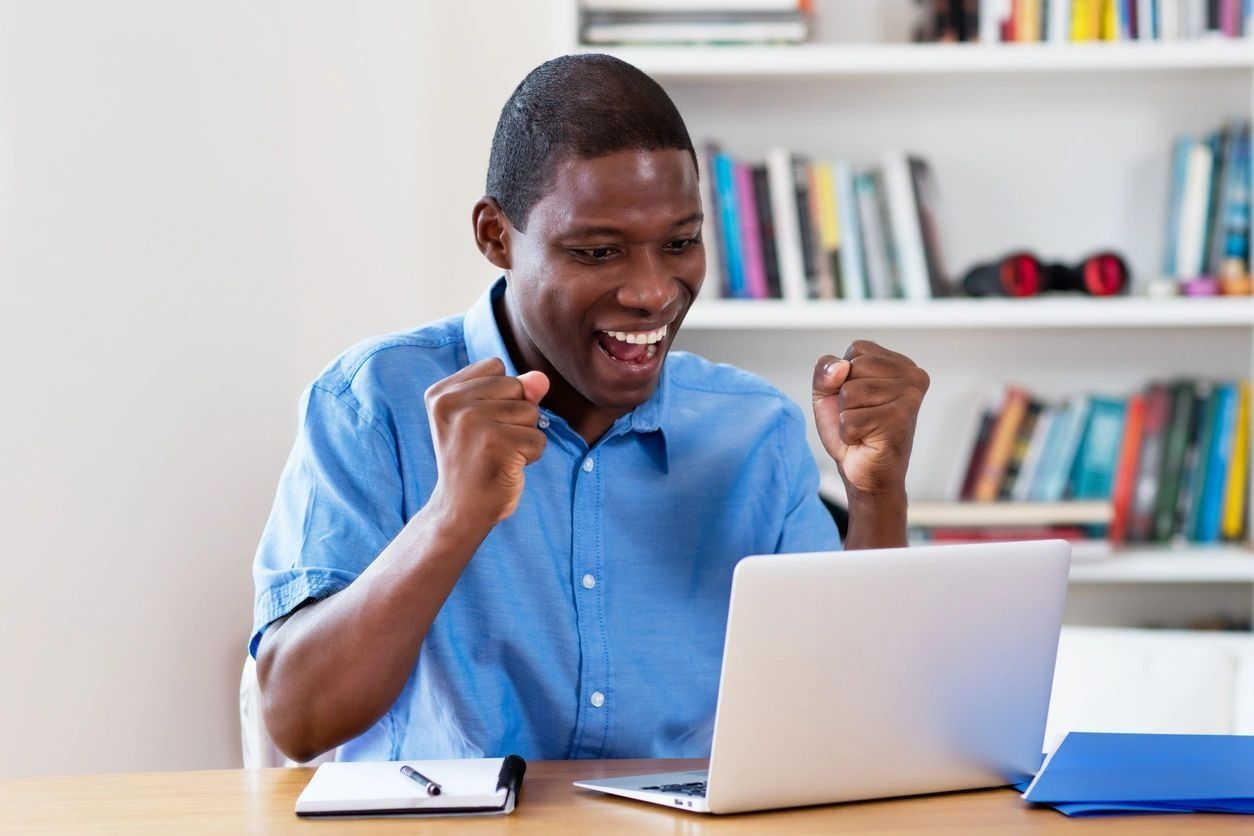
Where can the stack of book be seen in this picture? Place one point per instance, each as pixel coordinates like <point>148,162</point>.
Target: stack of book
<point>1208,218</point>
<point>694,21</point>
<point>794,228</point>
<point>1070,21</point>
<point>1171,461</point>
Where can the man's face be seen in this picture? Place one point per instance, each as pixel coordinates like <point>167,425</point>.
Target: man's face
<point>603,276</point>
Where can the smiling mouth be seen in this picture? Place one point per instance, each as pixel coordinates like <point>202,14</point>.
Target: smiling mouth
<point>632,348</point>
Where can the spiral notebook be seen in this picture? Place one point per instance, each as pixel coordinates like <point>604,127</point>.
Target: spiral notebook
<point>479,786</point>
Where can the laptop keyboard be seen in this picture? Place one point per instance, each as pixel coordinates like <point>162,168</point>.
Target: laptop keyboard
<point>693,788</point>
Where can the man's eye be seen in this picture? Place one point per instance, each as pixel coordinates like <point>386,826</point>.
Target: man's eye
<point>596,253</point>
<point>681,245</point>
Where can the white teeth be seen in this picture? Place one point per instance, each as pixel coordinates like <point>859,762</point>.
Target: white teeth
<point>639,337</point>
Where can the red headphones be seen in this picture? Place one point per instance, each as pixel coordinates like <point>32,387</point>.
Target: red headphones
<point>1023,274</point>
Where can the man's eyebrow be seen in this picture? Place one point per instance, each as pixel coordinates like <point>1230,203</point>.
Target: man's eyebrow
<point>593,231</point>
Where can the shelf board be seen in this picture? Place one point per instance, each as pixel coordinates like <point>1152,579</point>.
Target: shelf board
<point>1197,564</point>
<point>992,314</point>
<point>704,61</point>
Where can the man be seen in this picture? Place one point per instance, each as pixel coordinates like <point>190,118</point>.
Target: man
<point>515,531</point>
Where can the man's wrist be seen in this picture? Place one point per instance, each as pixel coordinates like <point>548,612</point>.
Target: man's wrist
<point>878,520</point>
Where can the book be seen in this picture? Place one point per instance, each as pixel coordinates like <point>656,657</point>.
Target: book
<point>1190,478</point>
<point>903,217</point>
<point>1098,453</point>
<point>829,230</point>
<point>1191,240</point>
<point>711,235</point>
<point>788,243</point>
<point>1175,442</point>
<point>1125,471</point>
<point>1216,471</point>
<point>1021,491</point>
<point>1205,441</point>
<point>1145,492</point>
<point>729,224</point>
<point>483,786</point>
<point>1061,455</point>
<point>925,198</point>
<point>852,270</point>
<point>766,230</point>
<point>1001,445</point>
<point>979,441</point>
<point>1094,773</point>
<point>750,236</point>
<point>874,249</point>
<point>1020,450</point>
<point>801,188</point>
<point>1236,488</point>
<point>824,281</point>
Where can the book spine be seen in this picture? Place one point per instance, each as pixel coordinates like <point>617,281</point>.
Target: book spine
<point>1099,451</point>
<point>766,228</point>
<point>711,234</point>
<point>1236,214</point>
<point>904,221</point>
<point>801,188</point>
<point>1022,490</point>
<point>1174,444</point>
<point>878,282</point>
<point>1205,447</point>
<point>1059,21</point>
<point>1213,240</point>
<point>925,201</point>
<point>1001,445</point>
<point>725,189</point>
<point>792,279</point>
<point>1190,250</point>
<point>1217,471</point>
<point>1237,487</point>
<point>824,282</point>
<point>1125,472</point>
<point>1063,466</point>
<point>1141,516</point>
<point>852,268</point>
<point>1019,452</point>
<point>1179,183</point>
<point>979,442</point>
<point>829,229</point>
<point>750,236</point>
<point>1190,478</point>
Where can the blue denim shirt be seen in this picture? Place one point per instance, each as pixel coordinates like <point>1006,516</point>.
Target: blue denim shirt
<point>589,624</point>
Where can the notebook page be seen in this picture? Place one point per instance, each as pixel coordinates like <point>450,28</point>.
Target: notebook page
<point>347,786</point>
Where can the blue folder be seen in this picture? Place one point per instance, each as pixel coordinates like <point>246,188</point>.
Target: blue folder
<point>1091,773</point>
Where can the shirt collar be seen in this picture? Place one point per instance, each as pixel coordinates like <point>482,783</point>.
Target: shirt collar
<point>484,340</point>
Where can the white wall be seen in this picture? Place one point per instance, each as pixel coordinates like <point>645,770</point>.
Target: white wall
<point>201,203</point>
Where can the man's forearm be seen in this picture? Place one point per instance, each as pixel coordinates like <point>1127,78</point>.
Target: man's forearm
<point>332,669</point>
<point>877,522</point>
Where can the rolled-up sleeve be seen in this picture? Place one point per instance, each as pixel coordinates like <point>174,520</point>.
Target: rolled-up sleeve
<point>808,525</point>
<point>338,505</point>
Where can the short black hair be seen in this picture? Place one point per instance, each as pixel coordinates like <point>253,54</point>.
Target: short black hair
<point>588,105</point>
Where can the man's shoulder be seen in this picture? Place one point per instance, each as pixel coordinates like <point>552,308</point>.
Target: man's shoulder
<point>719,383</point>
<point>411,359</point>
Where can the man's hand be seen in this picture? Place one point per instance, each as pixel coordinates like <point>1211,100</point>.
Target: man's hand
<point>483,425</point>
<point>865,409</point>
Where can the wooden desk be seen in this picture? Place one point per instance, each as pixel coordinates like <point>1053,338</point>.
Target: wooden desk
<point>260,801</point>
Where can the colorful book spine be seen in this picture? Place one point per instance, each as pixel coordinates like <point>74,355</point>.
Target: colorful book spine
<point>1125,473</point>
<point>1001,445</point>
<point>829,226</point>
<point>750,234</point>
<point>725,191</point>
<point>1022,490</point>
<point>1062,458</point>
<point>1222,441</point>
<point>1098,455</point>
<point>766,230</point>
<point>801,188</point>
<point>903,214</point>
<point>1236,490</point>
<point>1205,448</point>
<point>1175,442</point>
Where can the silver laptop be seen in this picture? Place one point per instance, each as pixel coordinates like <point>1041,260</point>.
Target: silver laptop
<point>868,674</point>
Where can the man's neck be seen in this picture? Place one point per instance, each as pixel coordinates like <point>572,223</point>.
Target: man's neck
<point>584,417</point>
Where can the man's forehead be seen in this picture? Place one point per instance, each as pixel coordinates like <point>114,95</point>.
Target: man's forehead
<point>623,187</point>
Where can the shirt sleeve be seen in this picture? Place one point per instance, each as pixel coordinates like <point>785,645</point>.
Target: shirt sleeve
<point>338,505</point>
<point>808,525</point>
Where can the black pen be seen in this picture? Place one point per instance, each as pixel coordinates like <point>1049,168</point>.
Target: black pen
<point>431,787</point>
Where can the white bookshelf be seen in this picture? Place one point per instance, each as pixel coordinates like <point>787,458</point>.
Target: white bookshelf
<point>929,59</point>
<point>1060,149</point>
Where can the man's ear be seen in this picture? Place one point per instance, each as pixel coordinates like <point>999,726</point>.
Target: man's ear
<point>492,231</point>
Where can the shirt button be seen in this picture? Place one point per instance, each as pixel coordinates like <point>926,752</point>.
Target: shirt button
<point>543,422</point>
<point>589,581</point>
<point>598,699</point>
<point>588,464</point>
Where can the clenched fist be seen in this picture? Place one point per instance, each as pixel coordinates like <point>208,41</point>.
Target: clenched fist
<point>483,424</point>
<point>866,405</point>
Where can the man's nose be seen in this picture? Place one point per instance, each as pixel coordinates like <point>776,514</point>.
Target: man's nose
<point>650,286</point>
